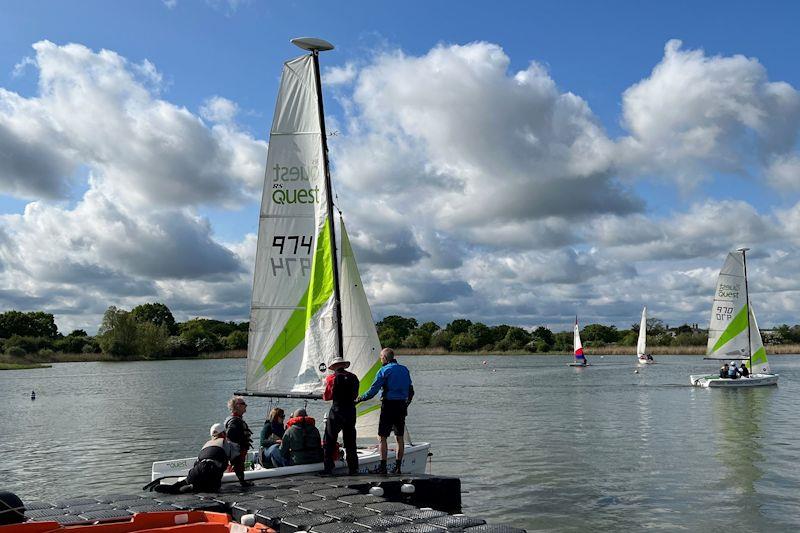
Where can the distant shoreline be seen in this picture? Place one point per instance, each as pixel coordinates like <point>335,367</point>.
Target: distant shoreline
<point>36,361</point>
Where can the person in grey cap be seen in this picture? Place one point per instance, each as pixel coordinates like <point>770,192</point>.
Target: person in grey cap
<point>341,388</point>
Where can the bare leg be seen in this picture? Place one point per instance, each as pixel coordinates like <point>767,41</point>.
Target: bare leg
<point>400,448</point>
<point>383,447</point>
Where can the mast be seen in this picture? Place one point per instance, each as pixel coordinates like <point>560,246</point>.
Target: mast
<point>315,46</point>
<point>747,303</point>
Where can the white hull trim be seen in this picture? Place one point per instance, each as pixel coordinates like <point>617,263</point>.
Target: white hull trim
<point>414,460</point>
<point>714,381</point>
<point>646,361</point>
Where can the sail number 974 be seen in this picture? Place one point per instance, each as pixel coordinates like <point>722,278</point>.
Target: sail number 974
<point>290,245</point>
<point>724,313</point>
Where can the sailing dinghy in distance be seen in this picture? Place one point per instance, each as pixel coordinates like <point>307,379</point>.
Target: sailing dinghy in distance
<point>307,307</point>
<point>580,359</point>
<point>733,332</point>
<point>641,345</point>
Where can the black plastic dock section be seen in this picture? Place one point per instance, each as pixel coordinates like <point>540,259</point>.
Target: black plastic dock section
<point>310,503</point>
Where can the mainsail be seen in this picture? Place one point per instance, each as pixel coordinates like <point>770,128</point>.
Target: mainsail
<point>361,345</point>
<point>292,319</point>
<point>641,344</point>
<point>576,343</point>
<point>727,330</point>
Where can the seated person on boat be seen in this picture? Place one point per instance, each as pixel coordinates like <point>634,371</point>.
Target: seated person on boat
<point>733,372</point>
<point>723,371</point>
<point>271,435</point>
<point>301,444</point>
<point>743,370</point>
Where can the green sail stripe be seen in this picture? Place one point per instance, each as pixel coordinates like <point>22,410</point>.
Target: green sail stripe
<point>737,325</point>
<point>369,377</point>
<point>293,334</point>
<point>760,357</point>
<point>368,410</point>
<point>321,283</point>
<point>295,329</point>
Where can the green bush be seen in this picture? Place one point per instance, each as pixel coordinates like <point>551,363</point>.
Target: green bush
<point>237,340</point>
<point>16,351</point>
<point>178,347</point>
<point>47,353</point>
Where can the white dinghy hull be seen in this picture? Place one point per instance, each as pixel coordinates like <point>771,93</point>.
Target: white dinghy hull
<point>756,380</point>
<point>414,462</point>
<point>646,361</point>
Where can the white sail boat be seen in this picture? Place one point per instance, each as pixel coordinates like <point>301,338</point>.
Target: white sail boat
<point>641,345</point>
<point>305,309</point>
<point>577,347</point>
<point>733,331</point>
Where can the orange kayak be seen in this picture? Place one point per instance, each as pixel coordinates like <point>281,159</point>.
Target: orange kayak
<point>155,522</point>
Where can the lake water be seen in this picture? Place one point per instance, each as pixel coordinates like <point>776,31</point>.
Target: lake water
<point>536,443</point>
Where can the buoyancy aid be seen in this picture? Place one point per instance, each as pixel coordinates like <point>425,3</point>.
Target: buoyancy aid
<point>213,451</point>
<point>310,439</point>
<point>344,388</point>
<point>238,431</point>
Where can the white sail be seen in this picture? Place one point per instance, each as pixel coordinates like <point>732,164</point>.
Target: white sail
<point>759,365</point>
<point>292,287</point>
<point>641,344</point>
<point>727,330</point>
<point>361,345</point>
<point>577,345</point>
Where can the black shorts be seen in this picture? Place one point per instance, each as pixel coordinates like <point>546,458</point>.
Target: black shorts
<point>393,418</point>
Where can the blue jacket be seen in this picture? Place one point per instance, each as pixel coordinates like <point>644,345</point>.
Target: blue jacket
<point>395,380</point>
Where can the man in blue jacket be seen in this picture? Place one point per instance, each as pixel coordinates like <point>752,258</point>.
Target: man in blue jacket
<point>395,381</point>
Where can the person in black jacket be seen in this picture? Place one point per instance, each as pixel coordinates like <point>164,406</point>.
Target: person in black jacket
<point>239,433</point>
<point>341,388</point>
<point>212,461</point>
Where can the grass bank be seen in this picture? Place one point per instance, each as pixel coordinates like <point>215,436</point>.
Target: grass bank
<point>21,366</point>
<point>39,361</point>
<point>606,350</point>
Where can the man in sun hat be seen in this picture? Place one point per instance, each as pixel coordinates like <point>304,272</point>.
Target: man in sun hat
<point>341,387</point>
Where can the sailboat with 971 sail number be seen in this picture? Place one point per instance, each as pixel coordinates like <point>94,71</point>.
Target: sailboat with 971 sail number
<point>308,303</point>
<point>733,332</point>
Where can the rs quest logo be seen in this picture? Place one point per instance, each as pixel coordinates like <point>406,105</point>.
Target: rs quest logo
<point>284,176</point>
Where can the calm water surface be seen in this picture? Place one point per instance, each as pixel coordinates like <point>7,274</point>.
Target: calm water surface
<point>537,444</point>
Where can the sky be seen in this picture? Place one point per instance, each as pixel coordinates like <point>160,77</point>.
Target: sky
<point>512,162</point>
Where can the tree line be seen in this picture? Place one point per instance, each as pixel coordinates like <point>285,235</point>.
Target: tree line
<point>147,331</point>
<point>463,336</point>
<point>150,331</point>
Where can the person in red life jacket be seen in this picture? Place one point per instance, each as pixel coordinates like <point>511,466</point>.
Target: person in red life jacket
<point>301,443</point>
<point>395,381</point>
<point>239,433</point>
<point>341,388</point>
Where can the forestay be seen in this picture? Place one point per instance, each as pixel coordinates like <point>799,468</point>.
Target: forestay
<point>291,318</point>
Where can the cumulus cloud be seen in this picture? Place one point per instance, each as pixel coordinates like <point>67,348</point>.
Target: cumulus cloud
<point>150,164</point>
<point>469,189</point>
<point>696,115</point>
